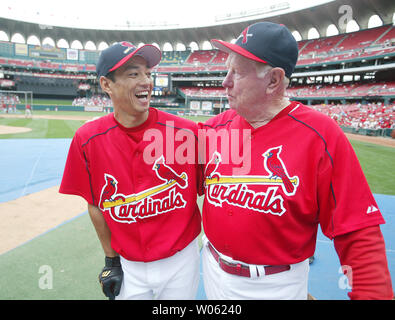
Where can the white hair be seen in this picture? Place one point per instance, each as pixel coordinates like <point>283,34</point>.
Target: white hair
<point>262,69</point>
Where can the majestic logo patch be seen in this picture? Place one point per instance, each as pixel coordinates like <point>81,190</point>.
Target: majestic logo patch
<point>234,189</point>
<point>154,201</point>
<point>372,209</point>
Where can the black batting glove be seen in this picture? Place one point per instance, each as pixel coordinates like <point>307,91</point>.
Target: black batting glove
<point>110,277</point>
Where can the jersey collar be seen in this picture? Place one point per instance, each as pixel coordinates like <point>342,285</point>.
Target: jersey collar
<point>152,117</point>
<point>244,124</point>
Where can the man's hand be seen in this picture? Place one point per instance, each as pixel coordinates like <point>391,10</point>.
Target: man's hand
<point>111,277</point>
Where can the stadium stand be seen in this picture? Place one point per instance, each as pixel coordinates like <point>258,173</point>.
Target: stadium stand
<point>200,57</point>
<point>96,100</point>
<point>344,90</point>
<point>363,102</point>
<point>220,57</point>
<point>357,40</point>
<point>360,116</point>
<point>359,44</point>
<point>370,42</point>
<point>174,57</point>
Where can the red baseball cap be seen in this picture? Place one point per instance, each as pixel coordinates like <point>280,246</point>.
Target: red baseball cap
<point>119,53</point>
<point>265,42</point>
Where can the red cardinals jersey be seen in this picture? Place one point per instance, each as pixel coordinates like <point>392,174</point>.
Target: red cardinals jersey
<point>144,180</point>
<point>267,189</point>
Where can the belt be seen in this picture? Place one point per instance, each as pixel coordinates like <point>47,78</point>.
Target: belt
<point>239,269</point>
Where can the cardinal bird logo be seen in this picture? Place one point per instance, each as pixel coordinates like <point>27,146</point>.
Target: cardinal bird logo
<point>167,174</point>
<point>158,199</point>
<point>276,167</point>
<point>235,190</point>
<point>109,189</point>
<point>212,167</point>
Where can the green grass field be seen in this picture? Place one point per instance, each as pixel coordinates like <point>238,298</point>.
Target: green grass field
<point>51,102</point>
<point>378,164</point>
<point>72,252</point>
<point>42,128</point>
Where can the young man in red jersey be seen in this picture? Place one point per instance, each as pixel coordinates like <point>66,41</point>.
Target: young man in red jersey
<point>141,198</point>
<point>261,212</point>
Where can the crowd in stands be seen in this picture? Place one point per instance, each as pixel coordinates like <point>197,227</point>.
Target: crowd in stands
<point>95,100</point>
<point>356,115</point>
<point>204,91</point>
<point>311,91</point>
<point>343,90</point>
<point>104,101</point>
<point>47,64</point>
<point>360,116</point>
<point>372,42</point>
<point>165,101</point>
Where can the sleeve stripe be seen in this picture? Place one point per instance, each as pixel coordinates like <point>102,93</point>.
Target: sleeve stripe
<point>322,138</point>
<point>98,134</point>
<point>218,125</point>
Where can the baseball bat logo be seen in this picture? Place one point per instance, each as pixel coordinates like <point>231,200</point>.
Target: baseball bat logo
<point>128,208</point>
<point>235,191</point>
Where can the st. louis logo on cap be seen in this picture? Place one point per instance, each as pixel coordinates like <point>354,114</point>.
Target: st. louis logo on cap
<point>245,35</point>
<point>128,45</point>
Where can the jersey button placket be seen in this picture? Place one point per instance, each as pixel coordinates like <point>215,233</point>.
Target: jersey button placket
<point>138,177</point>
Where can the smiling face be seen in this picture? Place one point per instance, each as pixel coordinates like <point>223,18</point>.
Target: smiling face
<point>130,91</point>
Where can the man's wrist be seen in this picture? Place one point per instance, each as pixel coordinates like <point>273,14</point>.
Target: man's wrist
<point>112,261</point>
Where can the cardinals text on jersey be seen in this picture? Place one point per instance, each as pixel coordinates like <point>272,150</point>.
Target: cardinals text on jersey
<point>159,199</point>
<point>234,189</point>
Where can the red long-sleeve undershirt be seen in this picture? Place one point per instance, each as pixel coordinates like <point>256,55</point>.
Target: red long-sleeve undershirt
<point>364,252</point>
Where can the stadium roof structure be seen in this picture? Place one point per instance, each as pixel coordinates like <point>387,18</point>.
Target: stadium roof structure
<point>320,17</point>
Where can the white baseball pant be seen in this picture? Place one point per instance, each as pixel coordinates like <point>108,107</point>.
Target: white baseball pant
<point>220,285</point>
<point>172,278</point>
